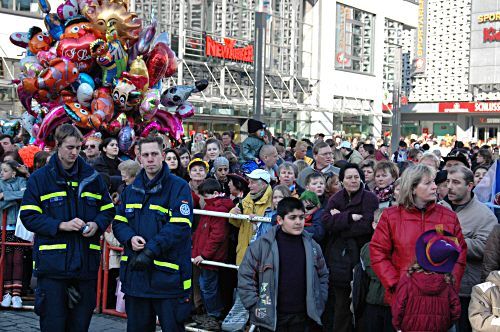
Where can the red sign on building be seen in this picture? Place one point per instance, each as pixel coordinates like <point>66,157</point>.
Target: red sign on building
<point>227,50</point>
<point>491,35</point>
<point>469,107</point>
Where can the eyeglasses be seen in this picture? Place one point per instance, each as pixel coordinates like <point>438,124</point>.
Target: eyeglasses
<point>91,146</point>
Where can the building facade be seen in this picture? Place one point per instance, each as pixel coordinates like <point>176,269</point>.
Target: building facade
<point>458,92</point>
<point>209,37</point>
<point>15,15</point>
<point>365,48</point>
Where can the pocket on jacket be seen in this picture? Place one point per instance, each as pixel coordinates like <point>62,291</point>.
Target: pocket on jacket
<point>52,258</point>
<point>165,276</point>
<point>94,257</point>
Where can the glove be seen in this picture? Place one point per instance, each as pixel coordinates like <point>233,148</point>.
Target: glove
<point>142,260</point>
<point>74,297</point>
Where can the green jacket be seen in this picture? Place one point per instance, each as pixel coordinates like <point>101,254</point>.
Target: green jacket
<point>376,290</point>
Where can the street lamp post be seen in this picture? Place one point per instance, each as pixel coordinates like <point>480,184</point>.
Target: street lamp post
<point>259,61</point>
<point>396,92</point>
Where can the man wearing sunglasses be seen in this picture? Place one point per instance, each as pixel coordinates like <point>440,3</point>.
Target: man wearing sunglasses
<point>91,148</point>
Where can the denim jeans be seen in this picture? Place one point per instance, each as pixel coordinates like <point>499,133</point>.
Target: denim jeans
<point>209,286</point>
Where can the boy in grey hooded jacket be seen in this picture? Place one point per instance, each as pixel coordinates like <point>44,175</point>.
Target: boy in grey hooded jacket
<point>261,274</point>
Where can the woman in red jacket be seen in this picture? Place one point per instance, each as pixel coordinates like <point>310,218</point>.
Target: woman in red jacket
<point>392,249</point>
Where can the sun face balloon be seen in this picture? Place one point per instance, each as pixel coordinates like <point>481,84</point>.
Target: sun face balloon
<point>117,15</point>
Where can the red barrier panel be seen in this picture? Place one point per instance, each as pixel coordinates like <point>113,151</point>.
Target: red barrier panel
<point>105,259</point>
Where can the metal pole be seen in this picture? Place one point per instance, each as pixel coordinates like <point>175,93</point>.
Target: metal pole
<point>259,63</point>
<point>396,92</point>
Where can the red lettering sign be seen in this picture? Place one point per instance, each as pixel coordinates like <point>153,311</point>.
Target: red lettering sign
<point>491,35</point>
<point>228,51</point>
<point>469,107</point>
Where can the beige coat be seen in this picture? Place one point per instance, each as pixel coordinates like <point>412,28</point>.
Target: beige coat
<point>114,256</point>
<point>484,307</point>
<point>246,228</point>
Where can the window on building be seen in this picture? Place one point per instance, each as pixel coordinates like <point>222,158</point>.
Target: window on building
<point>21,5</point>
<point>2,71</point>
<point>354,39</point>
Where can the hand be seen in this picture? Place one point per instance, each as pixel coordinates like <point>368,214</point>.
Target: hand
<point>142,260</point>
<point>197,260</point>
<point>92,229</point>
<point>334,212</point>
<point>235,210</point>
<point>1,196</point>
<point>115,198</point>
<point>138,243</point>
<point>74,224</point>
<point>357,217</point>
<point>251,217</point>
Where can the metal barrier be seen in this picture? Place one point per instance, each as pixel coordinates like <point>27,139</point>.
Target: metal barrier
<point>103,275</point>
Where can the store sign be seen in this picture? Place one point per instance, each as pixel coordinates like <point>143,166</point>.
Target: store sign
<point>491,35</point>
<point>419,63</point>
<point>484,43</point>
<point>228,50</point>
<point>468,107</point>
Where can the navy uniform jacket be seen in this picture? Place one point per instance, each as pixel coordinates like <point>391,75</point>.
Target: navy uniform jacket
<point>53,196</point>
<point>160,211</point>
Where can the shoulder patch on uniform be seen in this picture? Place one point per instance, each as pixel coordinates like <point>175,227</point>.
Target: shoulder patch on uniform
<point>185,210</point>
<point>485,286</point>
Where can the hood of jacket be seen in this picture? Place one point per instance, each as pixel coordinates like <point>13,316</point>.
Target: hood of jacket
<point>494,277</point>
<point>221,204</point>
<point>429,284</point>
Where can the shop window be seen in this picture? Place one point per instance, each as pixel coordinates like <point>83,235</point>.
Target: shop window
<point>21,5</point>
<point>354,39</point>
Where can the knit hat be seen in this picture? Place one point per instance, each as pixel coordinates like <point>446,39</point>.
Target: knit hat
<point>220,161</point>
<point>254,125</point>
<point>310,196</point>
<point>197,161</point>
<point>437,251</point>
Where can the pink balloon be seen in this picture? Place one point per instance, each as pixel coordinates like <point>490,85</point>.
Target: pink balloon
<point>172,122</point>
<point>56,117</point>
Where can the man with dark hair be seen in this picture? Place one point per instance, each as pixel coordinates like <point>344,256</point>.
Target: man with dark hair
<point>67,205</point>
<point>153,222</point>
<point>292,299</point>
<point>477,222</point>
<point>7,143</point>
<point>323,162</point>
<point>228,144</point>
<point>368,151</point>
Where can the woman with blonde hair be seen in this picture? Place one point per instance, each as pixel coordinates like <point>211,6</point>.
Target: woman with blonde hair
<point>392,249</point>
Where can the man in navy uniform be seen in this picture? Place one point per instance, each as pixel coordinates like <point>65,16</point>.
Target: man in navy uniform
<point>67,205</point>
<point>153,222</point>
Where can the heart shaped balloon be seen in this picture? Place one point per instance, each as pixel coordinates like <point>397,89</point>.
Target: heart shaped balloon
<point>172,63</point>
<point>77,50</point>
<point>157,63</point>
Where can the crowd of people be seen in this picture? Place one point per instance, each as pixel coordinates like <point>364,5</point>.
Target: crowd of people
<point>359,238</point>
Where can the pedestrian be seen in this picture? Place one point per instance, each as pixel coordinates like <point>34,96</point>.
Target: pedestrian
<point>348,221</point>
<point>291,296</point>
<point>287,173</point>
<point>250,147</point>
<point>220,171</point>
<point>316,183</point>
<point>386,172</point>
<point>425,299</point>
<point>12,187</point>
<point>392,248</point>
<point>323,163</point>
<point>153,223</point>
<point>314,210</point>
<point>376,316</point>
<point>476,221</point>
<point>484,306</point>
<point>67,205</point>
<point>210,243</point>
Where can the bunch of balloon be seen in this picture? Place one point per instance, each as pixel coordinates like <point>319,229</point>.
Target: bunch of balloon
<point>99,67</point>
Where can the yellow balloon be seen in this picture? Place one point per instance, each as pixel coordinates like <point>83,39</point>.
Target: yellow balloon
<point>138,67</point>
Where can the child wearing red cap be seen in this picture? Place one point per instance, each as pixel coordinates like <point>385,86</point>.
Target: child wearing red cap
<point>425,298</point>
